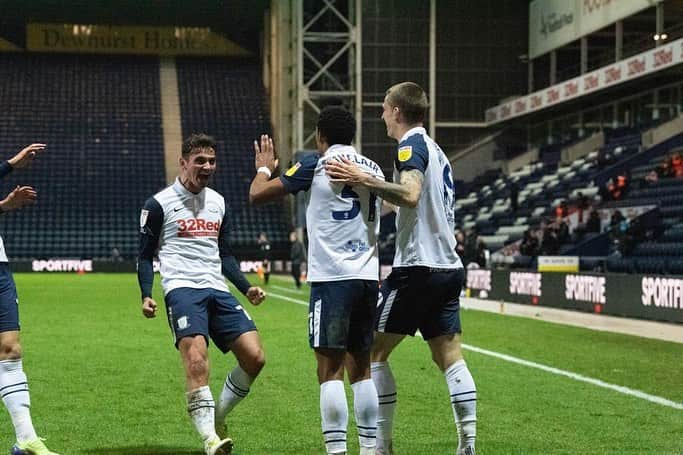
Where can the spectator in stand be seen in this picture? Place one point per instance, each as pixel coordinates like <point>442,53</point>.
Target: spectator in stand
<point>616,220</point>
<point>582,203</point>
<point>677,165</point>
<point>529,245</point>
<point>562,231</point>
<point>664,169</point>
<point>460,245</point>
<point>470,246</point>
<point>593,223</point>
<point>651,178</point>
<point>481,253</point>
<point>617,187</point>
<point>562,210</point>
<point>551,243</point>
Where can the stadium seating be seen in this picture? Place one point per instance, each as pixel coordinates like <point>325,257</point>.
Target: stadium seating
<point>226,99</point>
<point>101,119</point>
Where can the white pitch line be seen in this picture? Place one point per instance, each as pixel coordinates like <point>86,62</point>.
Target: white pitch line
<point>577,377</point>
<point>290,290</point>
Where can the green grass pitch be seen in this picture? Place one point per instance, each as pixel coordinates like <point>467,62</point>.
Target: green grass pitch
<point>104,380</point>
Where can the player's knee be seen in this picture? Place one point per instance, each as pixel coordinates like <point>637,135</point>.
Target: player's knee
<point>197,363</point>
<point>10,351</point>
<point>255,363</point>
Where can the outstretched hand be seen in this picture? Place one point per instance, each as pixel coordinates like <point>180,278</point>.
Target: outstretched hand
<point>24,158</point>
<point>344,171</point>
<point>265,153</point>
<point>18,198</point>
<point>256,295</point>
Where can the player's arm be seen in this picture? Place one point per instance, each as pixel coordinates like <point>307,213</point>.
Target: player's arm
<point>21,195</point>
<point>406,193</point>
<point>297,178</point>
<point>411,162</point>
<point>231,269</point>
<point>262,188</point>
<point>151,221</point>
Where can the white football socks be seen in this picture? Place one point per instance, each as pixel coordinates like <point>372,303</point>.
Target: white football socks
<point>200,406</point>
<point>235,389</point>
<point>464,402</point>
<point>386,393</point>
<point>365,406</point>
<point>335,416</point>
<point>14,393</point>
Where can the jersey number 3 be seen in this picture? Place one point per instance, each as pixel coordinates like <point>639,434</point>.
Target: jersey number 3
<point>348,193</point>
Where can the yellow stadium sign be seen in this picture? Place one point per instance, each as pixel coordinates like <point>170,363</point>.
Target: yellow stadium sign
<point>7,46</point>
<point>104,39</point>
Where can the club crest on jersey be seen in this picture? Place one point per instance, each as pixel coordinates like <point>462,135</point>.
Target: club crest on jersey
<point>405,153</point>
<point>292,170</point>
<point>143,217</point>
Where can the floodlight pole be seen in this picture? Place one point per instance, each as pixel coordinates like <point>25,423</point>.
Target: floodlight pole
<point>315,64</point>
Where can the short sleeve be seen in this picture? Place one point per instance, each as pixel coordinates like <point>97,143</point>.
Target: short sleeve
<point>412,154</point>
<point>299,177</point>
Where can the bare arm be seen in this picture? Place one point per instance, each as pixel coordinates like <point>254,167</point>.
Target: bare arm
<point>406,193</point>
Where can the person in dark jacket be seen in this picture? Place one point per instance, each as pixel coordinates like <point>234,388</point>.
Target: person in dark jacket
<point>298,256</point>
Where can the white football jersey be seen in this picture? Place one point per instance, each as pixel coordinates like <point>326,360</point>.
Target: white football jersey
<point>425,235</point>
<point>3,254</point>
<point>188,237</point>
<point>342,222</point>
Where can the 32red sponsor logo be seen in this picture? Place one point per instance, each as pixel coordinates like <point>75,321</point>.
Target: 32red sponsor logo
<point>198,227</point>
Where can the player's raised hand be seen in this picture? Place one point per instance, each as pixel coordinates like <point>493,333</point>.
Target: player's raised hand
<point>19,197</point>
<point>256,295</point>
<point>149,307</point>
<point>265,153</point>
<point>344,171</point>
<point>24,158</point>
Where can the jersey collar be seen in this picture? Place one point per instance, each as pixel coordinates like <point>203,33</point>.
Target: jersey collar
<point>410,132</point>
<point>340,148</point>
<point>179,188</point>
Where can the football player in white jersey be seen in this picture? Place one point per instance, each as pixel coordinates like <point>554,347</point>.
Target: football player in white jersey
<point>422,292</point>
<point>189,224</point>
<point>13,382</point>
<point>342,226</point>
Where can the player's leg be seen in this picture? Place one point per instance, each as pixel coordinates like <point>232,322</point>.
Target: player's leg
<point>395,318</point>
<point>333,407</point>
<point>443,334</point>
<point>188,319</point>
<point>251,359</point>
<point>357,363</point>
<point>329,317</point>
<point>232,329</point>
<point>13,382</point>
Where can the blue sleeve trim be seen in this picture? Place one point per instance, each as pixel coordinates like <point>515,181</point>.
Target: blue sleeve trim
<point>145,277</point>
<point>229,266</point>
<point>231,270</point>
<point>150,230</point>
<point>299,177</point>
<point>5,168</point>
<point>412,154</point>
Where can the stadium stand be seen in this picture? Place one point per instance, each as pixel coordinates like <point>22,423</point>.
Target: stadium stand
<point>226,99</point>
<point>100,116</point>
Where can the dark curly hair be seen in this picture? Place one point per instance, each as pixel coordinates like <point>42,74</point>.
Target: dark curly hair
<point>337,125</point>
